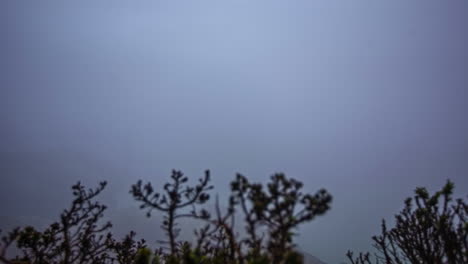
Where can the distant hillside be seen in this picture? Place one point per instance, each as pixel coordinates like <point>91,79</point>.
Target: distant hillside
<point>309,259</point>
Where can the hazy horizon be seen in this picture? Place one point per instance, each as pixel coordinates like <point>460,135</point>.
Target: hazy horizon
<point>366,99</point>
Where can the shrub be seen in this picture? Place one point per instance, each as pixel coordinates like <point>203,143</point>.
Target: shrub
<point>430,229</point>
<point>271,213</point>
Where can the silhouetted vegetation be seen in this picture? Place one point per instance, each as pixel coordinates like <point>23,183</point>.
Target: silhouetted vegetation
<point>430,229</point>
<point>78,236</point>
<point>176,196</point>
<point>280,209</point>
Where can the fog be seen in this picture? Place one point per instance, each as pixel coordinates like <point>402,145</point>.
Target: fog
<point>367,99</point>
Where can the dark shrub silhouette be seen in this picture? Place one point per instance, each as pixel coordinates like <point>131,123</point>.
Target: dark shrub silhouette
<point>430,229</point>
<point>128,250</point>
<point>274,213</point>
<point>176,196</point>
<point>77,237</point>
<point>279,209</point>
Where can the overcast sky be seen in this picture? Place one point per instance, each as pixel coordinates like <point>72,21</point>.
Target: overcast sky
<point>368,99</point>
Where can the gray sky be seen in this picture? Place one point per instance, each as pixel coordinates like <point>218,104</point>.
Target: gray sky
<point>365,98</point>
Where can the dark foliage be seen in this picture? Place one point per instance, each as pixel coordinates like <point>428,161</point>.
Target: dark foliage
<point>430,229</point>
<point>176,196</point>
<point>77,237</point>
<point>278,209</point>
<point>271,214</point>
<point>6,242</point>
<point>127,250</point>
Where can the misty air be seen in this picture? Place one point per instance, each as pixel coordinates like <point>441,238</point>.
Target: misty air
<point>233,132</point>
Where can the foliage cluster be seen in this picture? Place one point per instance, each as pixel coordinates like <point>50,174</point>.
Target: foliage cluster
<point>429,229</point>
<point>272,214</point>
